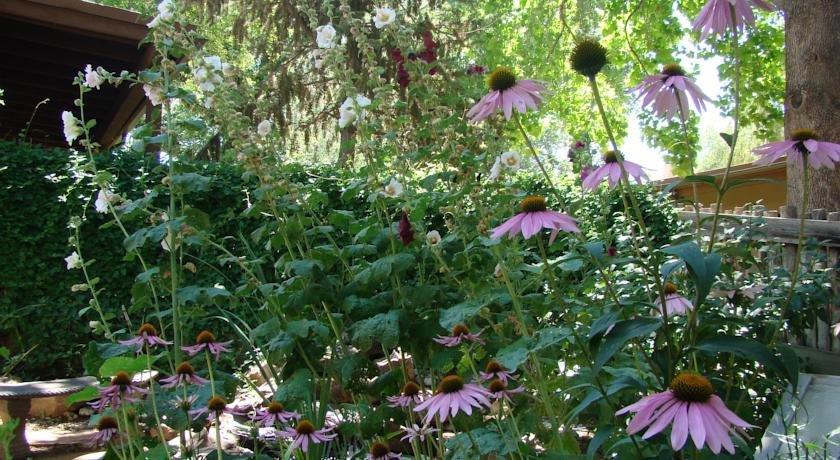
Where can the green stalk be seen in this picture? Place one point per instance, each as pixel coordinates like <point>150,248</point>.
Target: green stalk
<point>154,401</point>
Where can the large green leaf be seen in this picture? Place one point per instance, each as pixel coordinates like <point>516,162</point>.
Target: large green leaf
<point>383,328</point>
<point>460,313</point>
<point>620,334</point>
<point>122,364</point>
<point>749,349</point>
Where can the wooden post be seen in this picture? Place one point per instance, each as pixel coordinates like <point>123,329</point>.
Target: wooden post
<point>788,211</point>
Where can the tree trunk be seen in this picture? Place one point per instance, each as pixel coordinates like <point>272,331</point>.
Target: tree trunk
<point>812,92</point>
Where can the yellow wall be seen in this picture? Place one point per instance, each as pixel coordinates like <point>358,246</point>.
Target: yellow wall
<point>772,195</point>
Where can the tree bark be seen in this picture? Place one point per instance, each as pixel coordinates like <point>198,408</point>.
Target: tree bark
<point>812,91</point>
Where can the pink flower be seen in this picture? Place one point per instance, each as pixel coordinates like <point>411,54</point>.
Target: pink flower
<point>404,230</point>
<point>717,16</point>
<point>534,217</point>
<point>692,408</point>
<point>585,172</point>
<point>460,333</point>
<point>146,335</point>
<point>675,304</point>
<point>499,390</point>
<point>207,341</point>
<point>184,375</point>
<point>275,413</point>
<point>506,93</point>
<point>612,171</point>
<point>121,390</point>
<point>409,395</point>
<point>216,406</point>
<point>381,451</point>
<point>417,433</point>
<point>106,430</point>
<point>668,91</point>
<point>803,144</point>
<point>494,370</point>
<point>453,396</point>
<point>305,433</point>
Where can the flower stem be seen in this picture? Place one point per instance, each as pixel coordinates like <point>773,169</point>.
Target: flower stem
<point>533,150</point>
<point>154,401</point>
<point>210,372</point>
<point>797,259</point>
<point>736,114</point>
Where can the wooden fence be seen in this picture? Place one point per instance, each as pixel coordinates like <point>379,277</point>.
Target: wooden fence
<point>782,227</point>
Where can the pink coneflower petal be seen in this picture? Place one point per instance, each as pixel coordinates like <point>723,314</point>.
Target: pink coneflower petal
<point>716,16</point>
<point>506,95</point>
<point>691,408</point>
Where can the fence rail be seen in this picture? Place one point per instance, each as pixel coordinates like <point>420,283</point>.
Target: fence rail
<point>782,227</point>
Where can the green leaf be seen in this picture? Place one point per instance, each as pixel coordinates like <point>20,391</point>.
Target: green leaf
<point>302,329</point>
<point>746,348</point>
<point>620,334</point>
<point>384,328</point>
<point>460,313</point>
<point>122,364</point>
<point>87,394</point>
<point>702,268</point>
<point>602,434</point>
<point>487,441</point>
<point>190,182</point>
<point>297,389</point>
<point>513,355</point>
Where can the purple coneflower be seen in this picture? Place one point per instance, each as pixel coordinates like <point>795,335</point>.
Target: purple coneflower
<point>717,16</point>
<point>675,304</point>
<point>460,333</point>
<point>803,144</point>
<point>494,370</point>
<point>184,375</point>
<point>146,335</point>
<point>612,171</point>
<point>275,413</point>
<point>305,433</point>
<point>453,396</point>
<point>207,341</point>
<point>410,394</point>
<point>667,92</point>
<point>417,433</point>
<point>185,403</point>
<point>216,406</point>
<point>106,430</point>
<point>692,408</point>
<point>381,451</point>
<point>499,390</point>
<point>121,390</point>
<point>534,217</point>
<point>507,93</point>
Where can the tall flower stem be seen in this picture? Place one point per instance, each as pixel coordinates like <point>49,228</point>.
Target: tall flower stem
<point>625,181</point>
<point>539,380</point>
<point>533,151</point>
<point>736,114</point>
<point>219,451</point>
<point>797,258</point>
<point>210,373</point>
<point>154,401</point>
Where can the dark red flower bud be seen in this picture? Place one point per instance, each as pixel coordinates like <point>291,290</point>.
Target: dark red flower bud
<point>405,230</point>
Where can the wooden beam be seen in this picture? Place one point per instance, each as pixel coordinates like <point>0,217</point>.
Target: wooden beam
<point>81,17</point>
<point>779,229</point>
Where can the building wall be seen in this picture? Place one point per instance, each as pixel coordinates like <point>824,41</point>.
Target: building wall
<point>771,194</point>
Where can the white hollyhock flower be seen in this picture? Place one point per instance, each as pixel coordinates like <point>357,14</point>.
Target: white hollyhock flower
<point>155,95</point>
<point>325,36</point>
<point>264,128</point>
<point>351,110</point>
<point>102,200</point>
<point>393,189</point>
<point>383,17</point>
<point>214,62</point>
<point>433,238</point>
<point>166,242</point>
<point>166,10</point>
<point>92,77</point>
<point>497,272</point>
<point>74,260</point>
<point>72,126</point>
<point>512,160</point>
<point>79,288</point>
<point>496,169</point>
<point>836,329</point>
<point>318,58</point>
